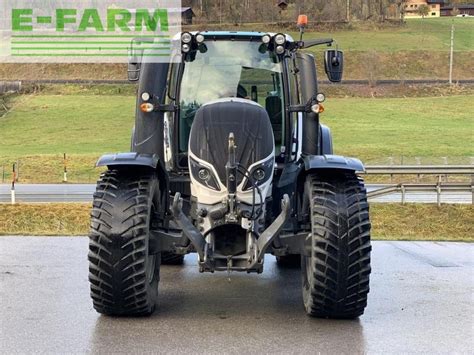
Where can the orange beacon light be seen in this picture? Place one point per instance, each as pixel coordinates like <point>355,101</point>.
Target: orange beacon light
<point>302,21</point>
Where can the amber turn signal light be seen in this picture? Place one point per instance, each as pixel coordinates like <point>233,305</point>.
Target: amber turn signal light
<point>147,107</point>
<point>317,108</point>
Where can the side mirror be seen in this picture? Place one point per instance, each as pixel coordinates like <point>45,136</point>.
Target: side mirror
<point>135,56</point>
<point>133,70</point>
<point>334,65</point>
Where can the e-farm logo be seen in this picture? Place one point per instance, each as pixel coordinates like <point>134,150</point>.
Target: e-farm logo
<point>88,30</point>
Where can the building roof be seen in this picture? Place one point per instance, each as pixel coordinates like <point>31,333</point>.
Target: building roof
<point>441,2</point>
<point>459,7</point>
<point>182,10</point>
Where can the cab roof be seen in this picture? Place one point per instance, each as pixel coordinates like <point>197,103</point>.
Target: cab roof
<point>238,35</point>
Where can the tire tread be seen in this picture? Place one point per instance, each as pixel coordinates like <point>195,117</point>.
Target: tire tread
<point>118,247</point>
<point>340,246</point>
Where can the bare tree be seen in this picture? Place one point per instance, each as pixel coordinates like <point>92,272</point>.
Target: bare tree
<point>423,10</point>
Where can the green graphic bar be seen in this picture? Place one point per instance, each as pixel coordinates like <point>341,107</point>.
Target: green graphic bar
<point>89,36</point>
<point>85,55</point>
<point>44,19</point>
<point>85,48</point>
<point>76,42</point>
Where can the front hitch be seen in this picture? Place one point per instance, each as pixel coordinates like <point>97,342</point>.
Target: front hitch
<point>267,237</point>
<point>189,230</point>
<point>256,247</point>
<point>231,179</point>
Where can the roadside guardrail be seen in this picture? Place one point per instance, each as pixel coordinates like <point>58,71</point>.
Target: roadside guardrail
<point>437,170</point>
<point>82,192</point>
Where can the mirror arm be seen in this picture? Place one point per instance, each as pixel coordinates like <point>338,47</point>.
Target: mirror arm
<point>303,108</point>
<point>166,108</point>
<point>297,108</point>
<point>314,42</point>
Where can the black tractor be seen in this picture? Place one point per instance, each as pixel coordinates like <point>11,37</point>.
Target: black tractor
<point>229,160</point>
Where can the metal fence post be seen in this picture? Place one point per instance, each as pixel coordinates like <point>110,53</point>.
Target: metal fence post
<point>65,168</point>
<point>391,175</point>
<point>17,171</point>
<point>438,191</point>
<point>13,197</point>
<point>472,189</point>
<point>403,194</point>
<point>418,162</point>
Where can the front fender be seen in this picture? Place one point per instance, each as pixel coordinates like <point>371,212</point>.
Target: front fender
<point>129,159</point>
<point>316,162</point>
<point>137,160</point>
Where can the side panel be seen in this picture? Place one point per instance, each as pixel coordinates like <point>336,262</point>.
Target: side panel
<point>148,131</point>
<point>326,140</point>
<point>332,162</point>
<point>129,159</point>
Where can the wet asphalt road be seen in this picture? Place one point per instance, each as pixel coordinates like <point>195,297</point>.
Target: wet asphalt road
<point>421,301</point>
<point>83,193</point>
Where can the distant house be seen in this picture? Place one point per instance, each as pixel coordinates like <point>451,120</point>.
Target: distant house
<point>467,9</point>
<point>412,7</point>
<point>283,5</point>
<point>187,14</point>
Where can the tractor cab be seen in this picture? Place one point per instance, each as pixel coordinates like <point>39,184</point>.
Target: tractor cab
<point>226,66</point>
<point>265,68</point>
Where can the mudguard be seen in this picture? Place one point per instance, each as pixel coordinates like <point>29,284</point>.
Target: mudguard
<point>326,140</point>
<point>332,162</point>
<point>129,159</point>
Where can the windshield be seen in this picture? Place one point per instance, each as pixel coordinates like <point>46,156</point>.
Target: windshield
<point>231,69</point>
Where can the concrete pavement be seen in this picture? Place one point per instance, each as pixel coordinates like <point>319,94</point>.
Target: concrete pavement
<point>420,302</point>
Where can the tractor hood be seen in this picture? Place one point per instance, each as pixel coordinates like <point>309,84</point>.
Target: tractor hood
<point>214,121</point>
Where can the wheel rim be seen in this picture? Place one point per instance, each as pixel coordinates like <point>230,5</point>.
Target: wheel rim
<point>306,260</point>
<point>306,271</point>
<point>151,258</point>
<point>150,269</point>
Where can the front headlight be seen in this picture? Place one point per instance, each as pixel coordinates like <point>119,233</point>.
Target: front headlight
<point>200,38</point>
<point>266,39</point>
<point>203,175</point>
<point>280,39</point>
<point>260,173</point>
<point>280,49</point>
<point>186,37</point>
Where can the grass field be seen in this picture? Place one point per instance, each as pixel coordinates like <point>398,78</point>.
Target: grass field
<point>412,127</point>
<point>389,221</point>
<point>39,128</point>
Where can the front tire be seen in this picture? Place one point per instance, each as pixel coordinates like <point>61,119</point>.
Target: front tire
<point>123,274</point>
<point>336,264</point>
